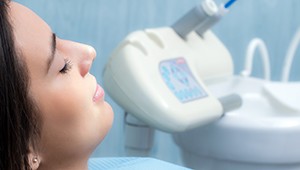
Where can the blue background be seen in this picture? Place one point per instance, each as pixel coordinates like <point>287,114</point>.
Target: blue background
<point>104,23</point>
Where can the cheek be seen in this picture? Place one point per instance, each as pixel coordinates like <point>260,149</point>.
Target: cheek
<point>71,119</point>
<point>66,107</point>
<point>66,118</point>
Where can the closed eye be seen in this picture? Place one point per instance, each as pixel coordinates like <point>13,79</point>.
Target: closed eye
<point>67,67</point>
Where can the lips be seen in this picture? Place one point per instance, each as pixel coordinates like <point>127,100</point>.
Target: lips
<point>99,93</point>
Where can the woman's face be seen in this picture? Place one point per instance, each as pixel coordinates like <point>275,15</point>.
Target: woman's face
<point>75,117</point>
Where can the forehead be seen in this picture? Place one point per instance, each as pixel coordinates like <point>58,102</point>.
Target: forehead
<point>32,35</point>
<point>26,23</point>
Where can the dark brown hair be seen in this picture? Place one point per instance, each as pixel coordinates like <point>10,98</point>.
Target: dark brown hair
<point>18,116</point>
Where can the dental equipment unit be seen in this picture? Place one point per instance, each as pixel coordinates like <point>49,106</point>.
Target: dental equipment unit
<point>262,134</point>
<point>180,80</point>
<point>157,74</point>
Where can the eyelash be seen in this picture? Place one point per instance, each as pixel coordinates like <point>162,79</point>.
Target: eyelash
<point>67,67</point>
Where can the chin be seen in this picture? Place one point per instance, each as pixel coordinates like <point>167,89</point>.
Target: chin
<point>107,116</point>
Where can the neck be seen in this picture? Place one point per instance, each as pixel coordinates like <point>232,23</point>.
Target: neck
<point>65,164</point>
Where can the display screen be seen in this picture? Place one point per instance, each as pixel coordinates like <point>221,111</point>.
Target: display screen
<point>178,77</point>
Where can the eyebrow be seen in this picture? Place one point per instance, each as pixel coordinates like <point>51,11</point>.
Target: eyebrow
<point>53,50</point>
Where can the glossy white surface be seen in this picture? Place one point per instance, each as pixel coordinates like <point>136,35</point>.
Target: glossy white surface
<point>260,132</point>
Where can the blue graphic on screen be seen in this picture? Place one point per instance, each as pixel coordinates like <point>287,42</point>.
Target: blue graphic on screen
<point>178,77</point>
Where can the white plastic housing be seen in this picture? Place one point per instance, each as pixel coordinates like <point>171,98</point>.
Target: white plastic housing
<point>133,77</point>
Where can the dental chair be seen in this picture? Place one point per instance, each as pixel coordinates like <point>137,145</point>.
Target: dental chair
<point>131,163</point>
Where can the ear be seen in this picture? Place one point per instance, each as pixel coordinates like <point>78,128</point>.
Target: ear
<point>33,160</point>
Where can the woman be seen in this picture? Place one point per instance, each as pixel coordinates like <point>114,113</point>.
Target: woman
<point>52,111</point>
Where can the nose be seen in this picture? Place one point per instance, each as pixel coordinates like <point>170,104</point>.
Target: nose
<point>86,58</point>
